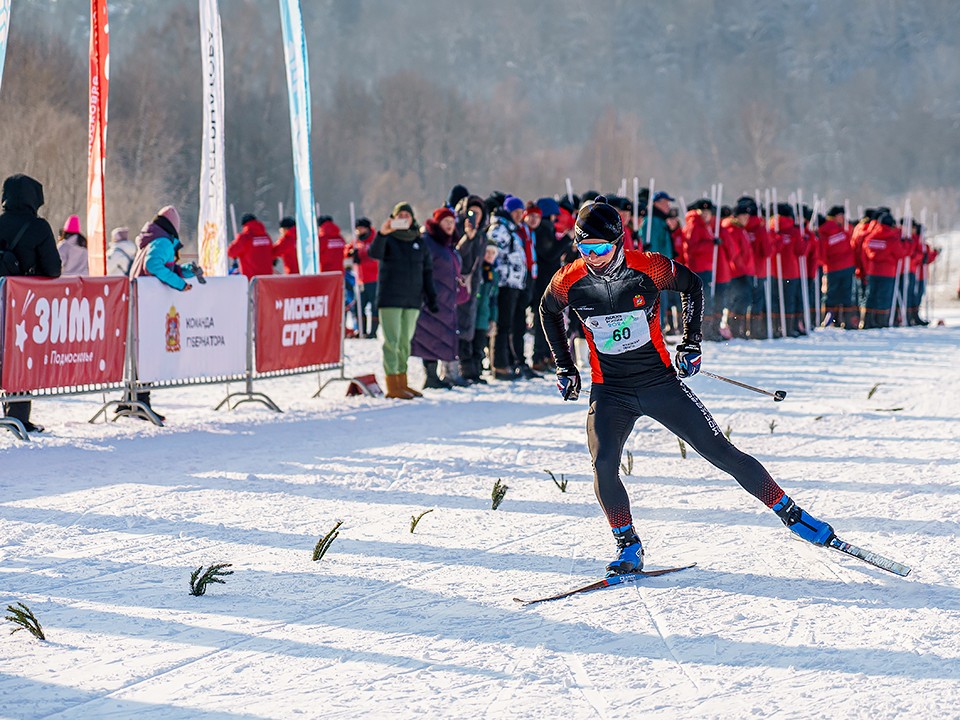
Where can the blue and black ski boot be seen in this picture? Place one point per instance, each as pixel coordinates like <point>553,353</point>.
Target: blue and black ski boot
<point>630,559</point>
<point>802,523</point>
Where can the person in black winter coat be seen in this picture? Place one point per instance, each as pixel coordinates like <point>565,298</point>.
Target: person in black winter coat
<point>471,226</point>
<point>35,251</point>
<point>406,280</point>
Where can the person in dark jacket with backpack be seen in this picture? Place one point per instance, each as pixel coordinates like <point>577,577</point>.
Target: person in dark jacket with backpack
<point>27,247</point>
<point>406,280</point>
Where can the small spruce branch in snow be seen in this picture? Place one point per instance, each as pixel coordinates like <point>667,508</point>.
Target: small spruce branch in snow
<point>24,618</point>
<point>561,483</point>
<point>872,391</point>
<point>728,432</point>
<point>414,519</point>
<point>683,448</point>
<point>773,425</point>
<point>499,491</point>
<point>627,467</point>
<point>200,578</point>
<point>324,543</point>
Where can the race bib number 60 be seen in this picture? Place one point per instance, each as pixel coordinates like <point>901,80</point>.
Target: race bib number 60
<point>620,333</point>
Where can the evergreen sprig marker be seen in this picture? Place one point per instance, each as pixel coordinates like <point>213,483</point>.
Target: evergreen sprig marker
<point>324,543</point>
<point>561,483</point>
<point>628,466</point>
<point>24,619</point>
<point>414,519</point>
<point>200,578</point>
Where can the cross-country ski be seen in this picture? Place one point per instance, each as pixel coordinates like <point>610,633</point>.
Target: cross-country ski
<point>612,581</point>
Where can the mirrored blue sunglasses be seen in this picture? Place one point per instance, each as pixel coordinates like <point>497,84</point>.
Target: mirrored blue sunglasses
<point>596,248</point>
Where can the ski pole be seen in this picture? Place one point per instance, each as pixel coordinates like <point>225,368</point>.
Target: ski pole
<point>777,395</point>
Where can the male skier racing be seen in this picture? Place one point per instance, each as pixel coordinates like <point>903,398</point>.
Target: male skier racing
<point>615,293</point>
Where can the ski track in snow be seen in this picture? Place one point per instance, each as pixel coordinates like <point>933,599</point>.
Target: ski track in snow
<point>101,525</point>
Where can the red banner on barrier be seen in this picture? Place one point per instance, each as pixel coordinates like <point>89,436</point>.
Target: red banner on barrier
<point>299,320</point>
<point>63,333</point>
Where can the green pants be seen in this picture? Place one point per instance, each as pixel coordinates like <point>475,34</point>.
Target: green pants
<point>397,326</point>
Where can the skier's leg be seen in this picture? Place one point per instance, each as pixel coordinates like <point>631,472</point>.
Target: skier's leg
<point>610,421</point>
<point>680,411</point>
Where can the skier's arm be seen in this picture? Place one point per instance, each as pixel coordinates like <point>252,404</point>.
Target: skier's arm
<point>551,316</point>
<point>377,248</point>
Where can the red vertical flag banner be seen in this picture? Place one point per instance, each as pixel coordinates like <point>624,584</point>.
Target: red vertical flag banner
<point>97,141</point>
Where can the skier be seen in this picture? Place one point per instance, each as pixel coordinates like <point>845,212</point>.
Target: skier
<point>615,293</point>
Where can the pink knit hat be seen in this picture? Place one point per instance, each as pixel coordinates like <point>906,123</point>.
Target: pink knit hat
<point>72,226</point>
<point>171,214</point>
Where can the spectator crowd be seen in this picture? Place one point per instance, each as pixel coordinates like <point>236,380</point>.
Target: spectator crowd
<point>461,290</point>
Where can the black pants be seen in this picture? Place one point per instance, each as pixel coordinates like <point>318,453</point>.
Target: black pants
<point>612,414</point>
<point>504,354</point>
<point>520,322</point>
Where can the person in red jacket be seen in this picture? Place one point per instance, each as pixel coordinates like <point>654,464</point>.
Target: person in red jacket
<point>698,244</point>
<point>252,247</point>
<point>836,253</point>
<point>788,245</point>
<point>739,258</point>
<point>368,274</point>
<point>286,246</point>
<point>883,253</point>
<point>332,245</point>
<point>761,248</point>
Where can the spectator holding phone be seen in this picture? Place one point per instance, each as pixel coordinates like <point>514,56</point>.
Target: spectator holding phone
<point>405,282</point>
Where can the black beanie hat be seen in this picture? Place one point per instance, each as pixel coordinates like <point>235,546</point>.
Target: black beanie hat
<point>703,204</point>
<point>457,193</point>
<point>836,210</point>
<point>599,220</point>
<point>247,217</point>
<point>887,220</point>
<point>726,211</point>
<point>288,222</point>
<point>745,206</point>
<point>785,210</point>
<point>364,222</point>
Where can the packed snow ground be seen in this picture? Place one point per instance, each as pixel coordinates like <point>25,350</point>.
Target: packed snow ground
<point>101,525</point>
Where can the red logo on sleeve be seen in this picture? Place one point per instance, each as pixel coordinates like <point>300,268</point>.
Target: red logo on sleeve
<point>638,301</point>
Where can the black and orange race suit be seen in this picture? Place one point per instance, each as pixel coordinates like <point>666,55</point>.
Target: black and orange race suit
<point>631,369</point>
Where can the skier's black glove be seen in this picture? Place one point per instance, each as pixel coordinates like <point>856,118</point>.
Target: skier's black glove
<point>568,383</point>
<point>687,359</point>
<point>433,307</point>
<point>717,241</point>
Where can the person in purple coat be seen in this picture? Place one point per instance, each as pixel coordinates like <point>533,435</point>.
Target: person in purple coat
<point>435,338</point>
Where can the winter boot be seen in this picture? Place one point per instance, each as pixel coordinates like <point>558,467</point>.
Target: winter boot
<point>452,374</point>
<point>406,387</point>
<point>433,381</point>
<point>802,523</point>
<point>395,389</point>
<point>630,559</point>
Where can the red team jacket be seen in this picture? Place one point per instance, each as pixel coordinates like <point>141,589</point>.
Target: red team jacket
<point>254,249</point>
<point>735,250</point>
<point>332,247</point>
<point>286,250</point>
<point>697,243</point>
<point>882,249</point>
<point>369,268</point>
<point>836,249</point>
<point>760,244</point>
<point>789,243</point>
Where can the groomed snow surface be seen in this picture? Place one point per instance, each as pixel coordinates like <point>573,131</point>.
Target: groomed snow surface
<point>101,526</point>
